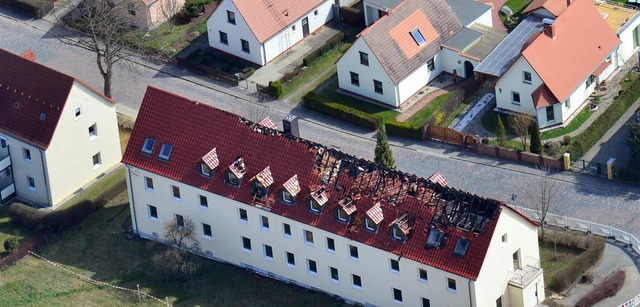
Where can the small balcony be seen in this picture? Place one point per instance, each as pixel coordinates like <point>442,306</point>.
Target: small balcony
<point>524,276</point>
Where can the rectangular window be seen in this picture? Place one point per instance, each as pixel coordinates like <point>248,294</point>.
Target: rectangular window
<point>331,245</point>
<point>451,284</point>
<point>353,251</point>
<point>204,202</point>
<point>422,275</point>
<point>431,64</point>
<point>243,215</point>
<point>308,237</point>
<point>175,191</point>
<point>231,17</point>
<point>355,78</point>
<point>179,220</point>
<point>395,265</point>
<point>3,143</point>
<point>206,230</point>
<point>550,114</point>
<point>165,152</point>
<point>93,131</point>
<point>147,147</point>
<point>245,46</point>
<point>357,281</point>
<point>397,295</point>
<point>97,160</point>
<point>291,259</point>
<point>417,37</point>
<point>246,244</point>
<point>426,302</point>
<point>78,112</point>
<point>27,154</point>
<point>148,183</point>
<point>264,222</point>
<point>224,39</point>
<point>286,229</point>
<point>315,13</point>
<point>567,103</point>
<point>312,267</point>
<point>334,274</point>
<point>268,251</point>
<point>31,183</point>
<point>526,77</point>
<point>515,97</point>
<point>153,212</point>
<point>364,58</point>
<point>377,87</point>
<point>504,238</point>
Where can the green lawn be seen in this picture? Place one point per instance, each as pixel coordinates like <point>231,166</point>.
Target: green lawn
<point>382,113</point>
<point>434,105</point>
<point>7,230</point>
<point>513,143</point>
<point>517,5</point>
<point>96,189</point>
<point>311,77</point>
<point>550,263</point>
<point>97,249</point>
<point>573,125</point>
<point>168,43</point>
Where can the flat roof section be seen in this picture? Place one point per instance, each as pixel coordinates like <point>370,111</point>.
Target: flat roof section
<point>507,52</point>
<point>483,47</point>
<point>616,15</point>
<point>467,10</point>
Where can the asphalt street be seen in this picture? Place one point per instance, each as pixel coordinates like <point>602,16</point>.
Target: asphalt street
<point>587,197</point>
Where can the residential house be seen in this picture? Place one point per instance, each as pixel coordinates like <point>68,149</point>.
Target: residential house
<point>148,14</point>
<point>312,216</point>
<point>412,44</point>
<point>259,31</point>
<point>625,21</point>
<point>56,133</point>
<point>548,66</point>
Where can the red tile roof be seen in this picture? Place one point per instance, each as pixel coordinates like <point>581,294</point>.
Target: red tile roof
<point>28,89</point>
<point>555,7</point>
<point>542,97</point>
<point>29,55</point>
<point>600,69</point>
<point>582,40</point>
<point>192,132</point>
<point>266,18</point>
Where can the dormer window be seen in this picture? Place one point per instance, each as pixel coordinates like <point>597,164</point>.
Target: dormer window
<point>258,190</point>
<point>315,207</point>
<point>342,216</point>
<point>343,213</point>
<point>374,218</point>
<point>290,190</point>
<point>417,37</point>
<point>401,227</point>
<point>318,199</point>
<point>236,172</point>
<point>370,225</point>
<point>209,163</point>
<point>397,234</point>
<point>165,152</point>
<point>147,147</point>
<point>262,182</point>
<point>232,179</point>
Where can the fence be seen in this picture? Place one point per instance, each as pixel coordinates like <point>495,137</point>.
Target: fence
<point>101,283</point>
<point>215,73</point>
<point>592,228</point>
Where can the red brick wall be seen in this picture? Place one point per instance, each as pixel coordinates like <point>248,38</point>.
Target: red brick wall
<point>508,153</point>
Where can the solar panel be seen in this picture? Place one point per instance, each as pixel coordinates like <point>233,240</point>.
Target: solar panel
<point>417,36</point>
<point>461,247</point>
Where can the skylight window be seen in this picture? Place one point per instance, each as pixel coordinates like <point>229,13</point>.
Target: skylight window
<point>165,151</point>
<point>435,238</point>
<point>417,36</point>
<point>461,247</point>
<point>43,116</point>
<point>147,147</point>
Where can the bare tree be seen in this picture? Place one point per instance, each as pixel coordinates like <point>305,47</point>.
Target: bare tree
<point>170,9</point>
<point>543,193</point>
<point>520,124</point>
<point>178,262</point>
<point>108,34</point>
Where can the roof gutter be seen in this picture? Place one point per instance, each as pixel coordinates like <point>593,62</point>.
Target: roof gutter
<point>470,297</point>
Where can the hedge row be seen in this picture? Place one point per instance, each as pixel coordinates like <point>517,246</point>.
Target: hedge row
<point>58,220</point>
<point>590,136</point>
<point>593,249</point>
<point>608,287</point>
<point>330,44</point>
<point>403,129</point>
<point>314,102</point>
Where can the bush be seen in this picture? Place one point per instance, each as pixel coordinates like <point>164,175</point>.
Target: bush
<point>566,140</point>
<point>58,220</point>
<point>314,102</point>
<point>193,8</point>
<point>593,249</point>
<point>403,129</point>
<point>629,174</point>
<point>485,140</point>
<point>11,244</point>
<point>552,148</point>
<point>275,89</point>
<point>330,44</point>
<point>608,287</point>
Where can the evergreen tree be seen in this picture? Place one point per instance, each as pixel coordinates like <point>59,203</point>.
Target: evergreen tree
<point>536,142</point>
<point>501,132</point>
<point>383,153</point>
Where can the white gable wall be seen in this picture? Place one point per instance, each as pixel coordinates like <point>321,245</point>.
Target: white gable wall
<point>484,19</point>
<point>372,8</point>
<point>627,49</point>
<point>218,22</point>
<point>350,62</point>
<point>418,79</point>
<point>288,37</point>
<point>63,159</point>
<point>23,168</point>
<point>451,60</point>
<point>512,81</point>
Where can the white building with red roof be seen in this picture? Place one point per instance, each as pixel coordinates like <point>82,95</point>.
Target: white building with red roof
<point>560,61</point>
<point>260,30</point>
<point>56,133</point>
<point>309,215</point>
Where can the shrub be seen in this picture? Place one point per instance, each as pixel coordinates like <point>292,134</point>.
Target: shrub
<point>552,148</point>
<point>485,140</point>
<point>193,8</point>
<point>403,129</point>
<point>314,102</point>
<point>608,287</point>
<point>275,89</point>
<point>330,44</point>
<point>593,249</point>
<point>536,142</point>
<point>501,132</point>
<point>11,244</point>
<point>566,140</point>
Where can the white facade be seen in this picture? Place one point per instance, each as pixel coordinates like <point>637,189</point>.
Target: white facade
<point>260,52</point>
<point>48,177</point>
<point>374,9</point>
<point>629,36</point>
<point>372,266</point>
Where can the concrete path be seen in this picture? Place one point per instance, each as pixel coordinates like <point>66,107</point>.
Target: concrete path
<point>614,258</point>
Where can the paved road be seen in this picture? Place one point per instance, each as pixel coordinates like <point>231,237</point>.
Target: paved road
<point>587,198</point>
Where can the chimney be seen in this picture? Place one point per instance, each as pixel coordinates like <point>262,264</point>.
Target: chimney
<point>290,125</point>
<point>568,2</point>
<point>548,27</point>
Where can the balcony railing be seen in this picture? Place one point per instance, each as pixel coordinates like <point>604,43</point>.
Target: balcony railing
<point>522,277</point>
